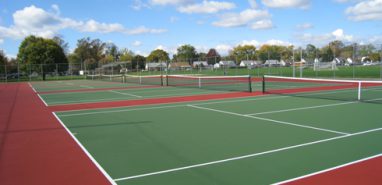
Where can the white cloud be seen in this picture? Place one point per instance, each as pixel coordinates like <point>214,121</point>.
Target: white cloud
<point>277,42</point>
<point>303,4</point>
<point>223,49</point>
<point>139,4</point>
<point>322,39</point>
<point>142,30</point>
<point>339,35</point>
<point>250,42</point>
<point>241,19</point>
<point>376,40</point>
<point>304,26</point>
<point>366,10</point>
<point>262,24</point>
<point>206,7</point>
<point>174,19</point>
<point>56,9</point>
<point>139,52</point>
<point>252,3</point>
<point>171,2</point>
<point>137,43</point>
<point>347,1</point>
<point>36,21</point>
<point>1,41</point>
<point>94,26</point>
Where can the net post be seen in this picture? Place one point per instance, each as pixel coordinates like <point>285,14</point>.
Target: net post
<point>200,82</point>
<point>250,83</point>
<point>263,84</point>
<point>166,80</point>
<point>161,80</point>
<point>359,90</point>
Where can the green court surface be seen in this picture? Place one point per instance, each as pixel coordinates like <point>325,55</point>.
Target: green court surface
<point>114,95</point>
<point>257,140</point>
<point>76,85</point>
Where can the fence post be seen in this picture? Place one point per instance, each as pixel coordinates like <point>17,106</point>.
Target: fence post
<point>30,71</point>
<point>18,71</point>
<point>6,76</point>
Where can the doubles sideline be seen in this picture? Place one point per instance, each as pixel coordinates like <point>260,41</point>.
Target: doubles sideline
<point>245,156</point>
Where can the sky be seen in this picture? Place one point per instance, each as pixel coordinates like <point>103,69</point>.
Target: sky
<point>145,25</point>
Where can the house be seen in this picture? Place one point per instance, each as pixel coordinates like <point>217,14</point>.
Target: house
<point>229,64</point>
<point>156,66</point>
<point>250,64</point>
<point>179,66</point>
<point>199,64</point>
<point>271,63</point>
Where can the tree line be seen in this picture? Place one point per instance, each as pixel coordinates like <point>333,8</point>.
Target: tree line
<point>94,53</point>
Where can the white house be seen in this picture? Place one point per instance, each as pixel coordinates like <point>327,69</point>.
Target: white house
<point>250,64</point>
<point>228,63</point>
<point>200,64</point>
<point>155,66</point>
<point>272,63</point>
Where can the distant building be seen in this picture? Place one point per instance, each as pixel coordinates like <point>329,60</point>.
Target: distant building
<point>200,64</point>
<point>250,64</point>
<point>156,66</point>
<point>272,63</point>
<point>179,66</point>
<point>229,64</point>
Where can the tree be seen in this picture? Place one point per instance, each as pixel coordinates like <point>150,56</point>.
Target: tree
<point>64,45</point>
<point>326,54</point>
<point>138,60</point>
<point>112,50</point>
<point>186,53</point>
<point>365,50</point>
<point>213,56</point>
<point>3,59</point>
<point>272,52</point>
<point>126,55</point>
<point>311,52</point>
<point>158,55</point>
<point>375,57</point>
<point>202,56</point>
<point>90,52</point>
<point>245,52</point>
<point>336,47</point>
<point>39,52</point>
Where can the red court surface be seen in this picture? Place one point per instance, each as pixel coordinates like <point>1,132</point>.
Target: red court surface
<point>364,172</point>
<point>35,149</point>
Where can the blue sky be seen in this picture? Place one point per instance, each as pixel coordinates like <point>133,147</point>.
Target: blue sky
<point>145,25</point>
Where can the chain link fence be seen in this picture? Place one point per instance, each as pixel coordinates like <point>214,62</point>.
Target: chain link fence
<point>14,73</point>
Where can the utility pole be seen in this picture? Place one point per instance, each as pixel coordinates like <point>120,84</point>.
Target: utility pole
<point>293,64</point>
<point>300,62</point>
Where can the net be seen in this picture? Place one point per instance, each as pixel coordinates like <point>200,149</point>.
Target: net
<point>322,66</point>
<point>347,90</point>
<point>220,83</point>
<point>111,78</point>
<point>145,80</point>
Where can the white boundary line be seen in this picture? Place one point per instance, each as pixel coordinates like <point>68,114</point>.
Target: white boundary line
<point>302,108</point>
<point>123,110</point>
<point>97,100</point>
<point>128,94</point>
<point>329,169</point>
<point>269,120</point>
<point>42,100</point>
<point>108,177</point>
<point>86,86</point>
<point>30,85</point>
<point>323,79</point>
<point>244,156</point>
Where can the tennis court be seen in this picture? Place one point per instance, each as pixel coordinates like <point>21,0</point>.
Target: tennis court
<point>253,140</point>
